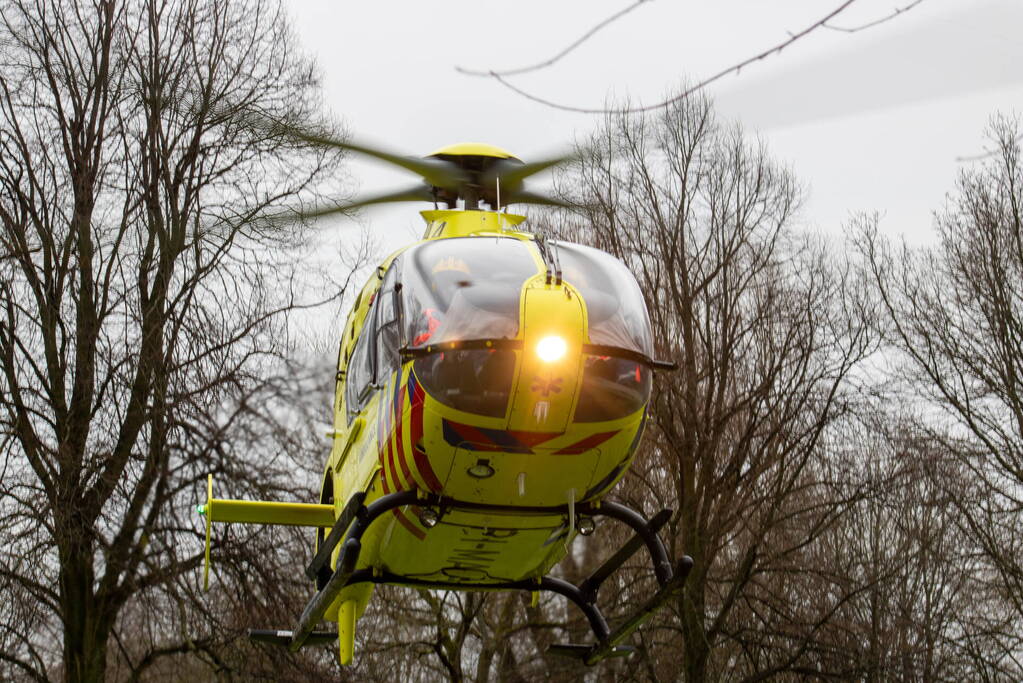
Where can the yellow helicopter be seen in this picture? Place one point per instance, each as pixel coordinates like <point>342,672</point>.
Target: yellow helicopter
<point>491,389</point>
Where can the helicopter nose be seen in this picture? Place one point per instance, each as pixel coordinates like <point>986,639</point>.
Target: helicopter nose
<point>553,329</point>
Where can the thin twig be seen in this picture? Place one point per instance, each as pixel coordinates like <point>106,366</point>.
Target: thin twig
<point>548,62</point>
<point>983,155</point>
<point>688,91</point>
<point>871,24</point>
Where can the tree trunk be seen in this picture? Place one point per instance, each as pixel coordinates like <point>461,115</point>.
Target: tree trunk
<point>86,625</point>
<point>696,650</point>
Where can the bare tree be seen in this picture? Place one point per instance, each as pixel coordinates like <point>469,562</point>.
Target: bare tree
<point>954,318</point>
<point>898,557</point>
<point>143,317</point>
<point>766,329</point>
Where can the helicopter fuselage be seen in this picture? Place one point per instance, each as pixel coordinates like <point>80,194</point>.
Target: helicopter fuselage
<point>508,412</point>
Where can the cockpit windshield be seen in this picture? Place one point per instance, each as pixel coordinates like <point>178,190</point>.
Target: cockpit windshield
<point>614,303</point>
<point>464,288</point>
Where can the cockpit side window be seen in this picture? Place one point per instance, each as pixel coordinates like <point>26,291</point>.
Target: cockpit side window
<point>613,388</point>
<point>615,308</point>
<point>360,373</point>
<point>388,332</point>
<point>464,288</point>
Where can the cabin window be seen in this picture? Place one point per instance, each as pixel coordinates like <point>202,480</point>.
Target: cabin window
<point>615,307</point>
<point>464,288</point>
<point>612,388</point>
<point>360,373</point>
<point>388,337</point>
<point>477,381</point>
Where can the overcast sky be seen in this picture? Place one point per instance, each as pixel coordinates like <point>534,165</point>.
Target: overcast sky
<point>868,121</point>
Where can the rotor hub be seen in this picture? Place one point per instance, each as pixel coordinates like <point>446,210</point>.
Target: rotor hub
<point>478,161</point>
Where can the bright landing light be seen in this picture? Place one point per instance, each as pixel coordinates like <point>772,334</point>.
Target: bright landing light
<point>551,349</point>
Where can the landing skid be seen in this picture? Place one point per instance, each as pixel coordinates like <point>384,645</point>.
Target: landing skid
<point>356,518</point>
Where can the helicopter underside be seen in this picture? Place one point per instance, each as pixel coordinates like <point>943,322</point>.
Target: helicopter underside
<point>435,498</point>
<point>513,478</point>
<point>358,516</point>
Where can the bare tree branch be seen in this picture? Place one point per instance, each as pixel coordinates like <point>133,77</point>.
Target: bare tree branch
<point>870,24</point>
<point>736,68</point>
<point>501,76</point>
<point>552,60</point>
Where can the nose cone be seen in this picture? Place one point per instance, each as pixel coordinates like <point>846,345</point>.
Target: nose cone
<point>553,331</point>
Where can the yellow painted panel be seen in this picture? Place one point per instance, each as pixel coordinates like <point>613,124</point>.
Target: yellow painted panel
<point>346,632</point>
<point>478,149</point>
<point>547,389</point>
<point>263,512</point>
<point>456,223</point>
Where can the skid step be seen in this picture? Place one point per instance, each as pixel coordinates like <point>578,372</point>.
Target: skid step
<point>283,638</point>
<point>582,652</point>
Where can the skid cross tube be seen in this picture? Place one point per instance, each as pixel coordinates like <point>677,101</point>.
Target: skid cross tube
<point>346,560</point>
<point>669,579</point>
<point>607,646</point>
<point>658,555</point>
<point>608,641</point>
<point>592,584</point>
<point>337,532</point>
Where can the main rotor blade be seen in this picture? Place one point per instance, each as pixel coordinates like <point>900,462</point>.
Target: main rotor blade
<point>512,174</point>
<point>527,197</point>
<point>438,172</point>
<point>416,193</point>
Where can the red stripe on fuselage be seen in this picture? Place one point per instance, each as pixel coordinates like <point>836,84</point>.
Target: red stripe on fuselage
<point>416,411</point>
<point>408,524</point>
<point>423,465</point>
<point>400,443</point>
<point>400,515</point>
<point>591,441</point>
<point>390,472</point>
<point>380,436</point>
<point>477,438</point>
<point>420,458</point>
